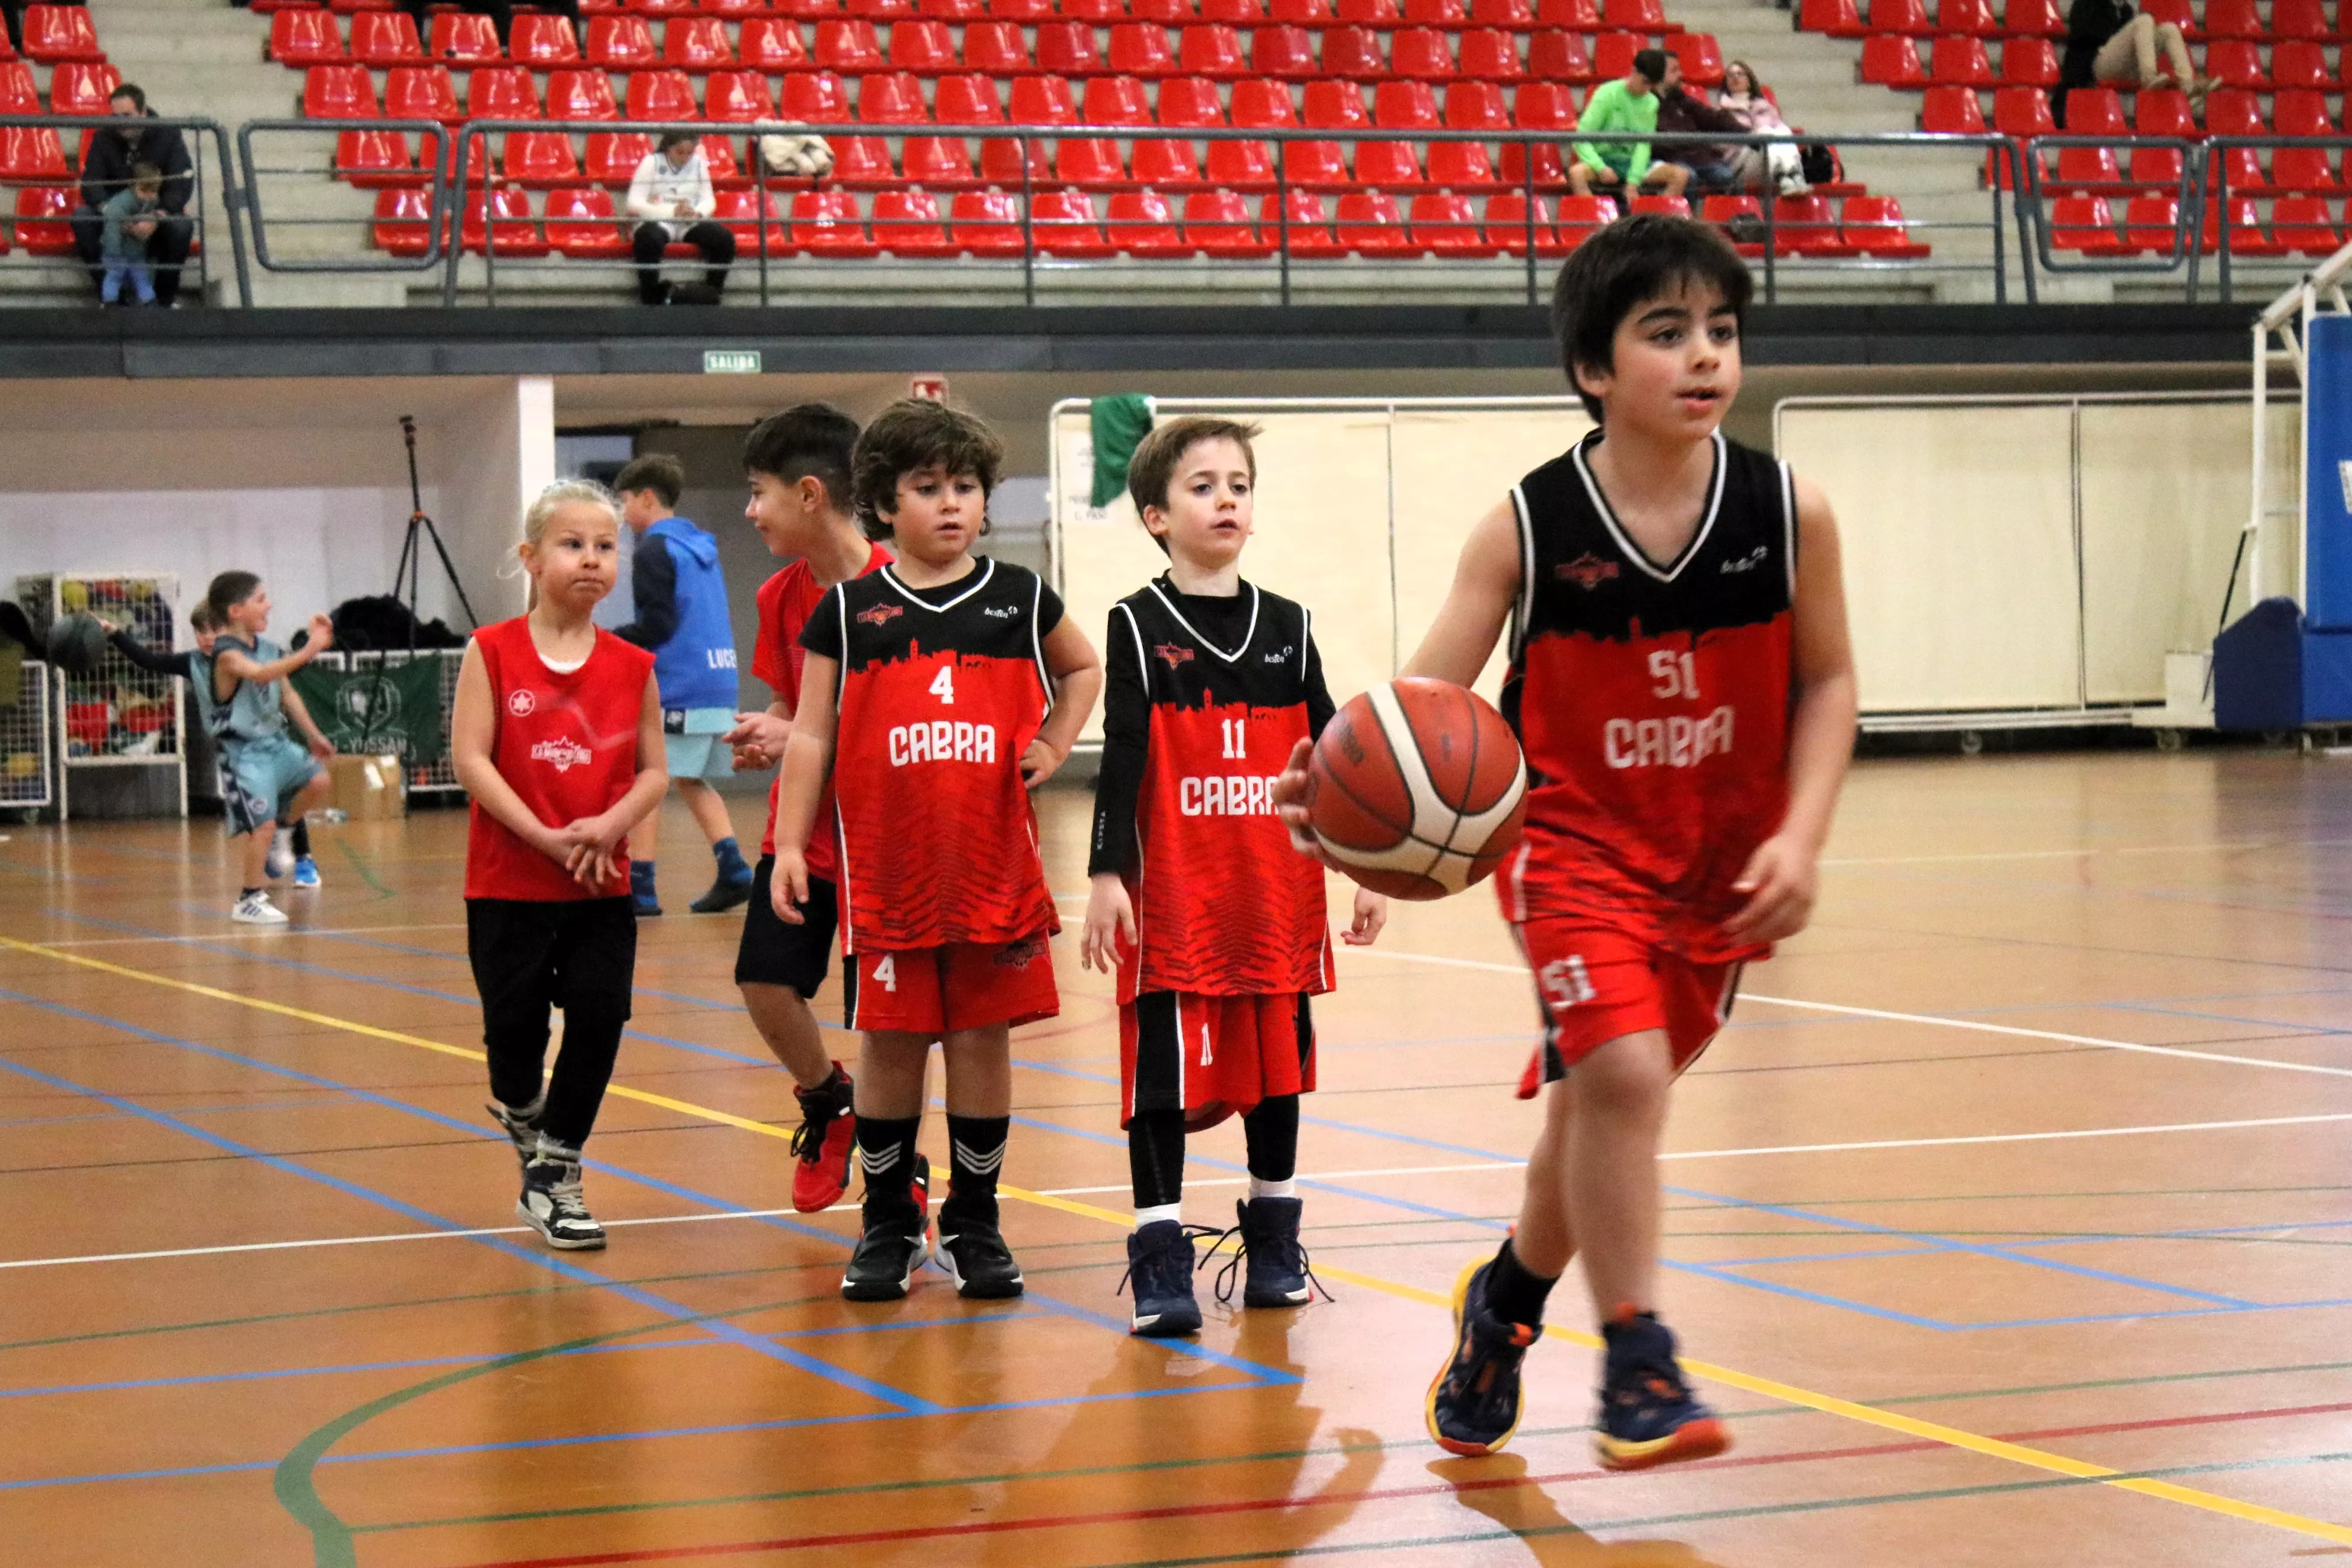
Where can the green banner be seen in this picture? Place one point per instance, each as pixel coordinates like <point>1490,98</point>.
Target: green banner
<point>395,707</point>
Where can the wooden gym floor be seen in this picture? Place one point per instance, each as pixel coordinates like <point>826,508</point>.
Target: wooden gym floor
<point>2008,1224</point>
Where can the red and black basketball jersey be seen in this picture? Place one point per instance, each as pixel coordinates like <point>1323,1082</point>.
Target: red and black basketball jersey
<point>940,692</point>
<point>1652,700</point>
<point>1223,905</point>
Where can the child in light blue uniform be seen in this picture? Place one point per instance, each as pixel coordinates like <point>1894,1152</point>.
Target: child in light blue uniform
<point>267,782</point>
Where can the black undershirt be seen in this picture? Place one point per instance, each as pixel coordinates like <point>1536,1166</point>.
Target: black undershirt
<point>1224,620</point>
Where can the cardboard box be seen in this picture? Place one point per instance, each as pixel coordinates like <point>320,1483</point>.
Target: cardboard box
<point>369,789</point>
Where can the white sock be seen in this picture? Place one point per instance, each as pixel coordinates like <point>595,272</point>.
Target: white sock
<point>1285,1188</point>
<point>1158,1212</point>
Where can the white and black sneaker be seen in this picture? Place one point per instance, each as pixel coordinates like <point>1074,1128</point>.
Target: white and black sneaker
<point>550,1200</point>
<point>520,1123</point>
<point>889,1252</point>
<point>281,859</point>
<point>971,1250</point>
<point>254,908</point>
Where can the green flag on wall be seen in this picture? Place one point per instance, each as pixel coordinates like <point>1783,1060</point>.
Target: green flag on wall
<point>394,708</point>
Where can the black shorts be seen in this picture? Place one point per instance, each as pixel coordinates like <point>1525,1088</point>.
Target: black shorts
<point>531,954</point>
<point>774,953</point>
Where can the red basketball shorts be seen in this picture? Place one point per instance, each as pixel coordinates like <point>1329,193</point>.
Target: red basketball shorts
<point>1595,984</point>
<point>1211,1057</point>
<point>962,986</point>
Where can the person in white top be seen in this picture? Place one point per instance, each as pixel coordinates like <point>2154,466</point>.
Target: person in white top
<point>1743,98</point>
<point>671,193</point>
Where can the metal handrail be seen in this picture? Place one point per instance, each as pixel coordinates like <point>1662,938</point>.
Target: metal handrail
<point>440,145</point>
<point>2188,202</point>
<point>232,196</point>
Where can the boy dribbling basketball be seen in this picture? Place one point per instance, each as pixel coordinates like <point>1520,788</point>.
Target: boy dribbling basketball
<point>268,781</point>
<point>1215,930</point>
<point>1682,686</point>
<point>938,691</point>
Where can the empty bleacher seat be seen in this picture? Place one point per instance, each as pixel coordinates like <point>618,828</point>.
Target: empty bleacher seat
<point>1210,51</point>
<point>1140,49</point>
<point>2245,229</point>
<point>827,223</point>
<point>2029,62</point>
<point>1511,226</point>
<point>697,44</point>
<point>1489,53</point>
<point>966,101</point>
<point>374,159</point>
<point>1354,53</point>
<point>1970,16</point>
<point>54,33</point>
<point>1370,224</point>
<point>736,97</point>
<point>907,223</point>
<point>621,43</point>
<point>1067,48</point>
<point>2235,19</point>
<point>404,221</point>
<point>772,44</point>
<point>1612,54</point>
<point>339,92</point>
<point>1891,59</point>
<point>1165,162</point>
<point>986,223</point>
<point>613,155</point>
<point>1190,104</point>
<point>2160,112</point>
<point>462,38</point>
<point>2302,226</point>
<point>1873,227</point>
<point>936,161</point>
<point>502,92</point>
<point>19,94</point>
<point>2082,222</point>
<point>79,87</point>
<point>1423,53</point>
<point>1701,58</point>
<point>1834,18</point>
<point>2300,64</point>
<point>1960,62</point>
<point>1142,224</point>
<point>1283,51</point>
<point>1557,57</point>
<point>1952,111</point>
<point>2033,19</point>
<point>848,45</point>
<point>996,48</point>
<point>662,95</point>
<point>582,224</point>
<point>384,38</point>
<point>2304,19</point>
<point>306,38</point>
<point>1219,223</point>
<point>891,98</point>
<point>1908,17</point>
<point>2233,62</point>
<point>2302,171</point>
<point>1447,224</point>
<point>422,92</point>
<point>30,152</point>
<point>2151,223</point>
<point>924,46</point>
<point>542,42</point>
<point>2230,112</point>
<point>1064,223</point>
<point>739,211</point>
<point>539,159</point>
<point>579,94</point>
<point>1088,161</point>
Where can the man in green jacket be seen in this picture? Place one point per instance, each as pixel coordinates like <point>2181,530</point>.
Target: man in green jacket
<point>1630,104</point>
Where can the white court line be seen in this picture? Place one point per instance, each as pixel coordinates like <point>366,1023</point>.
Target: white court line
<point>2079,854</point>
<point>1210,1182</point>
<point>1931,1019</point>
<point>265,932</point>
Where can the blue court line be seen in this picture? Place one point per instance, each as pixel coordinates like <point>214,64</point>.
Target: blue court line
<point>2309,1031</point>
<point>2086,1240</point>
<point>634,1294</point>
<point>2168,1312</point>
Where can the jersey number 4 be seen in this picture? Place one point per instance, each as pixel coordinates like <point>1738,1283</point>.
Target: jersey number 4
<point>886,972</point>
<point>943,685</point>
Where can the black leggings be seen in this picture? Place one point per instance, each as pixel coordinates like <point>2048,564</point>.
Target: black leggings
<point>531,955</point>
<point>1155,1149</point>
<point>715,240</point>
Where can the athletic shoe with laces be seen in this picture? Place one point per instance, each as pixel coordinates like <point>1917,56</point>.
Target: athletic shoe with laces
<point>280,858</point>
<point>256,909</point>
<point>520,1124</point>
<point>826,1144</point>
<point>725,894</point>
<point>1473,1405</point>
<point>971,1250</point>
<point>551,1203</point>
<point>306,871</point>
<point>891,1246</point>
<point>1269,1257</point>
<point>1647,1415</point>
<point>1159,1272</point>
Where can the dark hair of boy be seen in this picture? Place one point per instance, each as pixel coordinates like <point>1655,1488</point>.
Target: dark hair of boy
<point>229,590</point>
<point>1652,64</point>
<point>203,618</point>
<point>1158,455</point>
<point>913,434</point>
<point>655,472</point>
<point>806,441</point>
<point>1646,257</point>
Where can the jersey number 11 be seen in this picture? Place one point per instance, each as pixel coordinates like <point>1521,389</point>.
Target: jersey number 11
<point>1235,737</point>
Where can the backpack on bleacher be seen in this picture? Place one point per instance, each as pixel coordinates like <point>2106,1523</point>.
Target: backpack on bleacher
<point>796,155</point>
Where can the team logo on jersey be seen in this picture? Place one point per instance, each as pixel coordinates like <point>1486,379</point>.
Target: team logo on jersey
<point>1747,562</point>
<point>1588,571</point>
<point>521,704</point>
<point>1002,613</point>
<point>1174,653</point>
<point>564,754</point>
<point>879,616</point>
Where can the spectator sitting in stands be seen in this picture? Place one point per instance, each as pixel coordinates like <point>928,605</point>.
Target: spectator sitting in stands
<point>1712,167</point>
<point>2107,41</point>
<point>501,16</point>
<point>106,172</point>
<point>1778,164</point>
<point>1629,103</point>
<point>14,11</point>
<point>672,191</point>
<point>131,219</point>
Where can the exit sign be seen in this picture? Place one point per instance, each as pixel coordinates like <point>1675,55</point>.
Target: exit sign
<point>930,388</point>
<point>731,361</point>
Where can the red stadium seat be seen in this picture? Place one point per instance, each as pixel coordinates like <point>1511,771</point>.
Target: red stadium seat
<point>1516,15</point>
<point>2088,166</point>
<point>772,44</point>
<point>43,219</point>
<point>374,159</point>
<point>662,95</point>
<point>816,98</point>
<point>1140,49</point>
<point>2246,236</point>
<point>1169,164</point>
<point>996,48</point>
<point>2029,62</point>
<point>1959,61</point>
<point>936,161</point>
<point>1368,13</point>
<point>1636,16</point>
<point>848,46</point>
<point>1449,14</point>
<point>1142,224</point>
<point>1702,57</point>
<point>542,42</point>
<point>1807,225</point>
<point>1421,53</point>
<point>2233,113</point>
<point>1067,48</point>
<point>891,98</point>
<point>1907,18</point>
<point>1836,19</point>
<point>1334,106</point>
<point>463,38</point>
<point>1248,165</point>
<point>697,44</point>
<point>1353,52</point>
<point>1263,106</point>
<point>540,160</point>
<point>2302,170</point>
<point>2083,223</point>
<point>739,211</point>
<point>1062,222</point>
<point>1555,58</point>
<point>1298,224</point>
<point>1095,13</point>
<point>1873,227</point>
<point>18,93</point>
<point>77,86</point>
<point>2160,112</point>
<point>2301,65</point>
<point>613,155</point>
<point>1115,100</point>
<point>1952,111</point>
<point>339,92</point>
<point>1612,54</point>
<point>2304,19</point>
<point>54,33</point>
<point>2033,19</point>
<point>1190,103</point>
<point>827,223</point>
<point>2151,223</point>
<point>1447,225</point>
<point>862,162</point>
<point>1299,13</point>
<point>306,38</point>
<point>1388,165</point>
<point>2094,111</point>
<point>1219,223</point>
<point>1475,106</point>
<point>621,43</point>
<point>1508,227</point>
<point>922,46</point>
<point>502,92</point>
<point>1043,101</point>
<point>1283,51</point>
<point>1368,223</point>
<point>737,98</point>
<point>1576,16</point>
<point>1088,161</point>
<point>1539,106</point>
<point>1664,206</point>
<point>1404,106</point>
<point>966,101</point>
<point>422,92</point>
<point>404,221</point>
<point>502,218</point>
<point>2022,112</point>
<point>575,94</point>
<point>1489,53</point>
<point>1973,18</point>
<point>1210,51</point>
<point>1233,13</point>
<point>385,39</point>
<point>907,223</point>
<point>1580,217</point>
<point>1460,165</point>
<point>1723,211</point>
<point>1890,59</point>
<point>2303,225</point>
<point>2233,62</point>
<point>986,223</point>
<point>2235,19</point>
<point>582,226</point>
<point>1169,13</point>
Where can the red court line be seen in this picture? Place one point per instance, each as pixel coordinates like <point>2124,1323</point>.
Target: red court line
<point>1385,1494</point>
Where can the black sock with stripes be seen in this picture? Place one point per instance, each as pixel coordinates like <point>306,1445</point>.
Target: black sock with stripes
<point>885,1152</point>
<point>976,1156</point>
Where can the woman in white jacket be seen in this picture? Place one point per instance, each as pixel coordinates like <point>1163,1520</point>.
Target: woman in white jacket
<point>671,196</point>
<point>1743,99</point>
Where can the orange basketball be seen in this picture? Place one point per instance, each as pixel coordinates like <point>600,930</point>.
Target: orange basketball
<point>1417,788</point>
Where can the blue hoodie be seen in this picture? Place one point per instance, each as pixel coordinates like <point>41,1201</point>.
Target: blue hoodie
<point>681,602</point>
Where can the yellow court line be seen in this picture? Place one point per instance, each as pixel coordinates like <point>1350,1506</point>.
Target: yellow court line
<point>1951,1436</point>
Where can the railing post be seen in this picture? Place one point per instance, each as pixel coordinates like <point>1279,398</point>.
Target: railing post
<point>451,225</point>
<point>1771,247</point>
<point>2220,210</point>
<point>1527,185</point>
<point>760,209</point>
<point>232,199</point>
<point>1282,216</point>
<point>1028,230</point>
<point>2000,261</point>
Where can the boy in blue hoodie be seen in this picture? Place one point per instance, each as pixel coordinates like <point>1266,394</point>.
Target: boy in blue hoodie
<point>681,617</point>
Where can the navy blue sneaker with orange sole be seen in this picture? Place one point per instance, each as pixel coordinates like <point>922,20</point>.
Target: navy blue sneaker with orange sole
<point>1473,1405</point>
<point>1648,1415</point>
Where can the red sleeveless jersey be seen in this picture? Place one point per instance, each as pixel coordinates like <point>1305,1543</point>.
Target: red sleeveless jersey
<point>567,744</point>
<point>1223,905</point>
<point>939,695</point>
<point>1651,701</point>
<point>786,601</point>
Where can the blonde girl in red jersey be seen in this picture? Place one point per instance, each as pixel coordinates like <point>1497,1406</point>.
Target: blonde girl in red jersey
<point>557,734</point>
